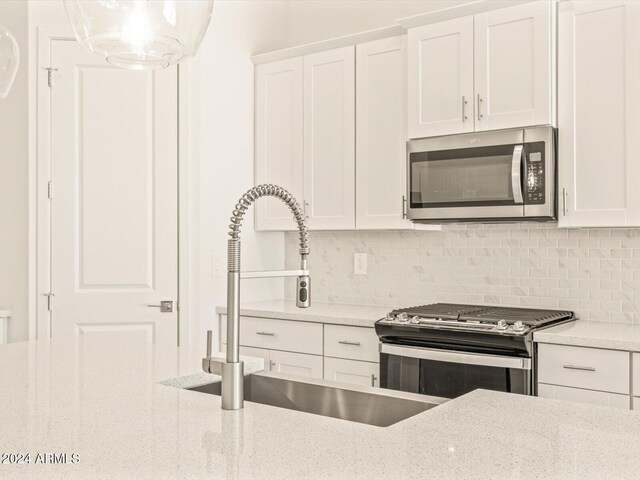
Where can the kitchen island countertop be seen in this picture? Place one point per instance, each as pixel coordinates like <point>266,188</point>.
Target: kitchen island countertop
<point>102,401</point>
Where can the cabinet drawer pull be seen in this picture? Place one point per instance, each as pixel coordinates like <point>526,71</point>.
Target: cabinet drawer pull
<point>347,342</point>
<point>268,334</point>
<point>578,367</point>
<point>479,107</point>
<point>373,379</point>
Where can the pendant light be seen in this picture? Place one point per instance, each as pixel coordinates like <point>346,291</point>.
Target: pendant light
<point>140,34</point>
<point>9,60</point>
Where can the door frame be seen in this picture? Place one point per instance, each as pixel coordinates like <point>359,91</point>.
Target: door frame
<point>39,209</point>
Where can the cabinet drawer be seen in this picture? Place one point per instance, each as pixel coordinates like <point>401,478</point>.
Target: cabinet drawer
<point>296,364</point>
<point>356,343</point>
<point>591,368</point>
<point>352,371</point>
<point>275,334</point>
<point>605,399</point>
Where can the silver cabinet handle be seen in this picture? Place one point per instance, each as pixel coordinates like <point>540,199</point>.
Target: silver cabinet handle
<point>209,342</point>
<point>479,106</point>
<point>404,207</point>
<point>347,342</point>
<point>272,364</point>
<point>267,334</point>
<point>578,367</point>
<point>464,108</point>
<point>564,201</point>
<point>373,379</point>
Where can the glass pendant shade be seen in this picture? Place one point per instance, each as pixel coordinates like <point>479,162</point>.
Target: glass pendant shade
<point>140,34</point>
<point>9,61</point>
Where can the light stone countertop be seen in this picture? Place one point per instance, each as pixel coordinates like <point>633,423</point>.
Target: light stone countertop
<point>334,313</point>
<point>583,333</point>
<point>100,399</point>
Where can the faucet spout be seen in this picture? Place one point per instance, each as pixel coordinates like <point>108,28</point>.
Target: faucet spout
<point>233,369</point>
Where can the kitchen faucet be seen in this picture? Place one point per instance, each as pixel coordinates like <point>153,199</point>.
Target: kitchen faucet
<point>232,370</point>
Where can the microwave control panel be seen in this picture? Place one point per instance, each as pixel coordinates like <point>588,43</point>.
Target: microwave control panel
<point>535,173</point>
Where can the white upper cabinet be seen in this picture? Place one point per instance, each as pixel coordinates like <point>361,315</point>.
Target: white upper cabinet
<point>513,66</point>
<point>440,78</point>
<point>380,134</point>
<point>329,139</point>
<point>489,71</point>
<point>278,148</point>
<point>599,113</point>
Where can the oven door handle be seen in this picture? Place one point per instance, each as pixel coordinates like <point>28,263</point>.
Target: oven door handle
<point>516,174</point>
<point>482,359</point>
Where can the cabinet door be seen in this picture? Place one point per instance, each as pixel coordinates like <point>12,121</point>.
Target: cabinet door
<point>278,137</point>
<point>329,139</point>
<point>380,134</point>
<point>598,116</point>
<point>296,364</point>
<point>352,371</point>
<point>513,66</point>
<point>258,352</point>
<point>440,78</point>
<point>579,395</point>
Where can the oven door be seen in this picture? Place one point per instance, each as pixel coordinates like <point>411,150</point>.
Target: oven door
<point>466,177</point>
<point>449,374</point>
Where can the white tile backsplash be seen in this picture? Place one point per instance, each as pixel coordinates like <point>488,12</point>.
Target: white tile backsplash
<point>595,272</point>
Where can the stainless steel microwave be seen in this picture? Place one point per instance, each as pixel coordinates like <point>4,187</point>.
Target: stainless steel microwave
<point>504,175</point>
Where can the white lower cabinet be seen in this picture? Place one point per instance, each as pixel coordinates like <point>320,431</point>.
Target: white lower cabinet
<point>352,371</point>
<point>296,364</point>
<point>299,348</point>
<point>583,374</point>
<point>605,399</point>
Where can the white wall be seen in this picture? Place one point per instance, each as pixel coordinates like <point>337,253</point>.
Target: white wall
<point>14,181</point>
<point>221,102</point>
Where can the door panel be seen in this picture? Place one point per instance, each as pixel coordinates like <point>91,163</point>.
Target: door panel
<point>440,78</point>
<point>513,66</point>
<point>279,133</point>
<point>351,371</point>
<point>114,208</point>
<point>598,79</point>
<point>329,139</point>
<point>296,364</point>
<point>380,134</point>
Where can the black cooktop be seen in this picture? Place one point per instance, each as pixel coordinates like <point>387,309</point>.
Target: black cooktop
<point>478,328</point>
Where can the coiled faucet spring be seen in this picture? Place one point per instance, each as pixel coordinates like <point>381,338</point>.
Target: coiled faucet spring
<point>266,190</point>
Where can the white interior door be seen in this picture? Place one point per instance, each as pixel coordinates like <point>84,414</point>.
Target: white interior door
<point>114,206</point>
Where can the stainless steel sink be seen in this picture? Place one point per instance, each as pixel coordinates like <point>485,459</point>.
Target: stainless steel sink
<point>379,407</point>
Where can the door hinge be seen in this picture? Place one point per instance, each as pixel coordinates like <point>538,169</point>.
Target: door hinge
<point>50,71</point>
<point>50,190</point>
<point>49,300</point>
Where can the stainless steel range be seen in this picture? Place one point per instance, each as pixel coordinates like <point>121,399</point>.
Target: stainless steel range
<point>447,350</point>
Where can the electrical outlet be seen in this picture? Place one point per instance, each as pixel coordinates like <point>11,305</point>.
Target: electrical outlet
<point>218,266</point>
<point>360,263</point>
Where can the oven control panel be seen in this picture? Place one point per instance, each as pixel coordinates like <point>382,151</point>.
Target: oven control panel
<point>535,177</point>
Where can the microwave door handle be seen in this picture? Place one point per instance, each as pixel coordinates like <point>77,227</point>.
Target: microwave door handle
<point>516,174</point>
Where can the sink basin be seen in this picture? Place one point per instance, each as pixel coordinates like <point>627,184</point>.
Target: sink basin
<point>373,406</point>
